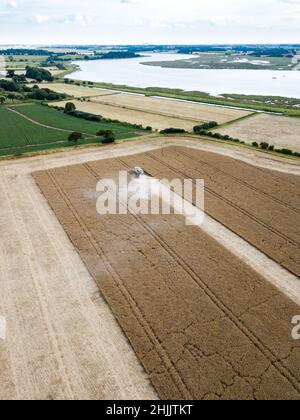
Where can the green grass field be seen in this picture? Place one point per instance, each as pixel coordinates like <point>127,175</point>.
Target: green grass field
<point>58,119</point>
<point>21,61</point>
<point>19,135</point>
<point>16,131</point>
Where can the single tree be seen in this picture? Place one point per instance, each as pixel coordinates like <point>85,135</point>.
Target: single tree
<point>75,137</point>
<point>69,107</point>
<point>264,145</point>
<point>107,136</point>
<point>10,74</point>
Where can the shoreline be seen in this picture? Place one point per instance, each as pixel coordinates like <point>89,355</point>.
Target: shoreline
<point>194,96</point>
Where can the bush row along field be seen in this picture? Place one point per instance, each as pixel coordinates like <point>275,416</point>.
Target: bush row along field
<point>161,108</point>
<point>273,129</point>
<point>18,135</point>
<point>144,118</point>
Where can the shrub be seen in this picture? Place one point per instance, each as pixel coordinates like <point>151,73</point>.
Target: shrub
<point>84,115</point>
<point>173,131</point>
<point>109,137</point>
<point>286,151</point>
<point>202,133</point>
<point>255,144</point>
<point>75,137</point>
<point>102,133</point>
<point>69,107</point>
<point>205,126</point>
<point>38,74</point>
<point>9,86</point>
<point>264,145</point>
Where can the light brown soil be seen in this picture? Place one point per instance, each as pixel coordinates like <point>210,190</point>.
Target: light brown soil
<point>259,205</point>
<point>276,130</point>
<point>156,121</point>
<point>203,323</point>
<point>157,113</point>
<point>62,340</point>
<point>184,110</point>
<point>73,90</point>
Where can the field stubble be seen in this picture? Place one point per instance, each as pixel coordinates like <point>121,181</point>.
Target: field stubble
<point>146,271</point>
<point>276,130</point>
<point>158,113</point>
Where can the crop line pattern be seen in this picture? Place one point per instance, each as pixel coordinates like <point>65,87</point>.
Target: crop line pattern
<point>181,386</point>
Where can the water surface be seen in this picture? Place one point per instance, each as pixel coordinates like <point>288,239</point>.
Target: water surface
<point>131,72</point>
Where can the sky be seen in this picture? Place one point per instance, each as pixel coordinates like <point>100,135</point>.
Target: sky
<point>149,21</point>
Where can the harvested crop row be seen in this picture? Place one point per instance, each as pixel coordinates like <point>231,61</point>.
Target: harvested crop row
<point>179,109</point>
<point>273,129</point>
<point>271,183</point>
<point>74,90</point>
<point>268,221</point>
<point>144,118</point>
<point>202,322</point>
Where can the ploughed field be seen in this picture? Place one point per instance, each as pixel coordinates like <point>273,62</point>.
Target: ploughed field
<point>201,321</point>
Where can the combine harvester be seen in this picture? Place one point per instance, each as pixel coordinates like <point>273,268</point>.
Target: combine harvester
<point>137,172</point>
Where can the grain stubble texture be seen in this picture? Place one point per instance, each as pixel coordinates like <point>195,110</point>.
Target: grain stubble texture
<point>203,323</point>
<point>273,129</point>
<point>261,206</point>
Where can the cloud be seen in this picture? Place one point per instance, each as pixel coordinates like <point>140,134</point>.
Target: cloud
<point>145,21</point>
<point>41,19</point>
<point>12,3</point>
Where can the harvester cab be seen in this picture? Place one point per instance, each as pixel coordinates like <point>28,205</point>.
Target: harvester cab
<point>137,172</point>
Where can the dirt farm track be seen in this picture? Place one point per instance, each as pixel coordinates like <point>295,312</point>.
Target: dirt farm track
<point>89,301</point>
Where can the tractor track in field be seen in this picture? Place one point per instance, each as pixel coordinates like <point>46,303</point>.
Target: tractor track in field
<point>279,365</point>
<point>241,182</point>
<point>180,321</point>
<point>267,352</point>
<point>118,279</point>
<point>230,203</point>
<point>145,111</point>
<point>44,125</point>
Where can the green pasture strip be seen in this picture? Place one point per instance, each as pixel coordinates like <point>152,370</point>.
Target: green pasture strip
<point>58,119</point>
<point>16,131</point>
